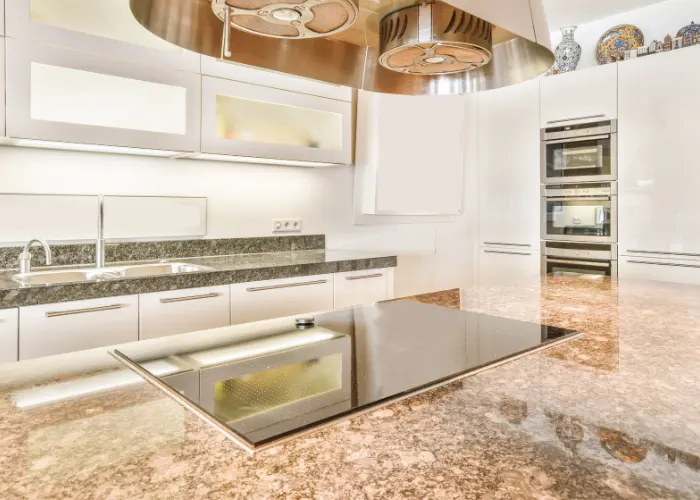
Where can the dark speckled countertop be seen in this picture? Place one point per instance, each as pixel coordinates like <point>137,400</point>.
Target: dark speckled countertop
<point>614,414</point>
<point>225,269</point>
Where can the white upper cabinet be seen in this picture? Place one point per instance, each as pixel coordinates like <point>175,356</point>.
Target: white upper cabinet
<point>659,178</point>
<point>103,27</point>
<point>580,95</point>
<point>509,167</point>
<point>411,153</point>
<point>67,96</point>
<point>2,88</point>
<point>242,119</point>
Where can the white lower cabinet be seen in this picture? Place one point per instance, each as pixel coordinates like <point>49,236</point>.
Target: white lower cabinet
<point>362,287</point>
<point>651,268</point>
<point>505,266</point>
<point>74,326</point>
<point>278,298</point>
<point>8,335</point>
<point>182,311</point>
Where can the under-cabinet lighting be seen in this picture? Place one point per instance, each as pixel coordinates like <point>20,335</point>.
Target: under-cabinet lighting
<point>54,393</point>
<point>262,161</point>
<point>260,347</point>
<point>92,148</point>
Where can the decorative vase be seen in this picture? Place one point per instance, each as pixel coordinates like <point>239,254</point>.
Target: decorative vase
<point>568,52</point>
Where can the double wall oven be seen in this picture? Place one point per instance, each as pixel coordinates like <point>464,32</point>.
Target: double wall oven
<point>579,199</point>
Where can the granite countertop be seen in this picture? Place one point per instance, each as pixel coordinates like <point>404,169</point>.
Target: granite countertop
<point>225,269</point>
<point>614,414</point>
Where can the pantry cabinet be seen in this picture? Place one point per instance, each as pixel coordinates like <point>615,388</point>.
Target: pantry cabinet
<point>583,95</point>
<point>362,287</point>
<point>9,335</point>
<point>652,268</point>
<point>509,167</point>
<point>62,95</point>
<point>182,311</point>
<point>75,326</point>
<point>101,27</point>
<point>278,298</point>
<point>249,120</point>
<point>658,155</point>
<point>507,267</point>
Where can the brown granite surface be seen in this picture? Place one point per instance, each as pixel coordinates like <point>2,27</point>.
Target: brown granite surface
<point>612,415</point>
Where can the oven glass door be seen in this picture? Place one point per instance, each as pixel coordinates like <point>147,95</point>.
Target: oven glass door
<point>578,159</point>
<point>578,268</point>
<point>578,219</point>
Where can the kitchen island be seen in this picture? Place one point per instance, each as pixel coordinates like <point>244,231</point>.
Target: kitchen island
<point>612,414</point>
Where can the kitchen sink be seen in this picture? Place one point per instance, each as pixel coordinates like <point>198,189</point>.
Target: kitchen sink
<point>81,275</point>
<point>57,277</point>
<point>156,270</point>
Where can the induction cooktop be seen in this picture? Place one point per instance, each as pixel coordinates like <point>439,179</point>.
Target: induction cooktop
<point>264,383</point>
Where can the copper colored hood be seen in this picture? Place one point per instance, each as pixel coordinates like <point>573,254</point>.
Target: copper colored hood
<point>387,46</point>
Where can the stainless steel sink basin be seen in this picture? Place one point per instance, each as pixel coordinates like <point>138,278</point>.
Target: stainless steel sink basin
<point>81,275</point>
<point>156,270</point>
<point>57,277</point>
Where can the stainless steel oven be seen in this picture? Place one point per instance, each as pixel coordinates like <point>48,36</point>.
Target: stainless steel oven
<point>580,212</point>
<point>586,260</point>
<point>584,152</point>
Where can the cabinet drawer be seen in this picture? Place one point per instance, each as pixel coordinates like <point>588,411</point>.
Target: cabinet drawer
<point>649,268</point>
<point>362,287</point>
<point>8,335</point>
<point>182,311</point>
<point>102,27</point>
<point>65,96</point>
<point>250,120</point>
<point>503,267</point>
<point>278,298</point>
<point>74,326</point>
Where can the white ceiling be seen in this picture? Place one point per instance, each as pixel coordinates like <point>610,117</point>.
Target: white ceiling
<point>577,12</point>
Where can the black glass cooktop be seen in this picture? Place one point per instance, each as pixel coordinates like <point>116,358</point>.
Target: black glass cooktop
<point>263,382</point>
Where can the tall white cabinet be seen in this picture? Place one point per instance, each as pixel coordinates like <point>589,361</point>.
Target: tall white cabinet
<point>659,179</point>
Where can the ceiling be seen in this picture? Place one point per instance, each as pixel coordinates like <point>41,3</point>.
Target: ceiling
<point>577,12</point>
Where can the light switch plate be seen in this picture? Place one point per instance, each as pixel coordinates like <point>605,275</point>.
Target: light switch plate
<point>286,225</point>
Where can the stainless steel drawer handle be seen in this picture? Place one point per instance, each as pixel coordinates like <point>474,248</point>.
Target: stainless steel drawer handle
<point>191,297</point>
<point>666,264</point>
<point>652,252</point>
<point>289,285</point>
<point>507,253</point>
<point>579,263</point>
<point>365,277</point>
<point>56,314</point>
<point>524,245</point>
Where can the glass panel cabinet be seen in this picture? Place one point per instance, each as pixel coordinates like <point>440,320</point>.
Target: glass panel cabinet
<point>67,96</point>
<point>262,122</point>
<point>104,27</point>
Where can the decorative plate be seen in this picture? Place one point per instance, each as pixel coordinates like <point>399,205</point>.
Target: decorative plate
<point>616,41</point>
<point>691,29</point>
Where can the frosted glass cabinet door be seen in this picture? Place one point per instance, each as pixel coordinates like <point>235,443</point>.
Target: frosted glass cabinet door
<point>262,122</point>
<point>66,96</point>
<point>104,27</point>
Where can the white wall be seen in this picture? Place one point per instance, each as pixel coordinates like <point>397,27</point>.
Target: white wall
<point>655,21</point>
<point>243,200</point>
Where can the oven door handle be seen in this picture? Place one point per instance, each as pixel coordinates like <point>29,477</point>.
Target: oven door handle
<point>578,139</point>
<point>579,262</point>
<point>580,198</point>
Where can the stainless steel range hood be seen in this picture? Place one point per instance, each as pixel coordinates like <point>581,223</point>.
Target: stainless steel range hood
<point>391,46</point>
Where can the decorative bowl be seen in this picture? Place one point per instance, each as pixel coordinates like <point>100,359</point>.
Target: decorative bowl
<point>616,41</point>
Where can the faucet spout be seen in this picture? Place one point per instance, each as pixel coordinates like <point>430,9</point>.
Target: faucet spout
<point>25,258</point>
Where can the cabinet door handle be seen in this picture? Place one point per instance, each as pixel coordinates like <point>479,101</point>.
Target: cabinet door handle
<point>576,118</point>
<point>507,253</point>
<point>651,252</point>
<point>524,245</point>
<point>288,285</point>
<point>364,277</point>
<point>191,297</point>
<point>56,314</point>
<point>667,264</point>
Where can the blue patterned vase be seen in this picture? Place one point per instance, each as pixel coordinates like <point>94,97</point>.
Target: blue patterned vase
<point>568,52</point>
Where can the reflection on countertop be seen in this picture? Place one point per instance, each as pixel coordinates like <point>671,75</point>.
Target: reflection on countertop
<point>615,414</point>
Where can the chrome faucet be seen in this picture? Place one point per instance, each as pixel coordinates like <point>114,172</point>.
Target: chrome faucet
<point>25,258</point>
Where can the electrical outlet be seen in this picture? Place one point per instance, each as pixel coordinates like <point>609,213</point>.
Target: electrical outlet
<point>286,225</point>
